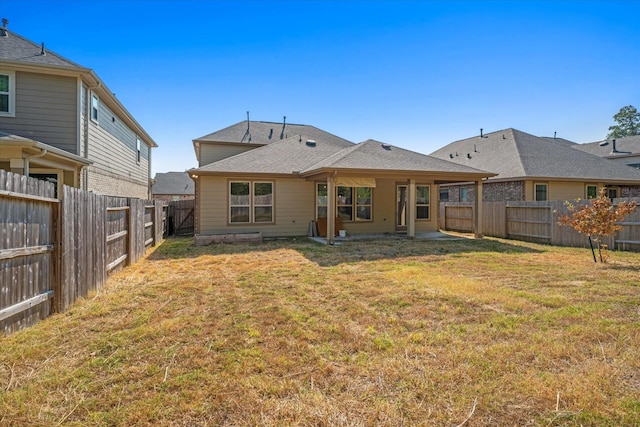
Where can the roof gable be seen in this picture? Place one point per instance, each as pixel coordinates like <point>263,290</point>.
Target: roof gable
<point>515,154</point>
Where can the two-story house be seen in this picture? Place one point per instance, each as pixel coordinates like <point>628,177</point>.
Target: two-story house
<point>59,121</point>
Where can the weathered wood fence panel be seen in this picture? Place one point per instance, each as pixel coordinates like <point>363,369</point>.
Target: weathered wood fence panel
<point>62,250</point>
<point>27,212</point>
<point>181,217</point>
<point>536,222</point>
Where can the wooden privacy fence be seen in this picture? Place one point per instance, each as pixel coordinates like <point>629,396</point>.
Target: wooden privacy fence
<point>53,252</point>
<point>534,221</point>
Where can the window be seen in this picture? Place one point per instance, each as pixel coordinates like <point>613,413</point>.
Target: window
<point>444,194</point>
<point>464,194</point>
<point>612,192</point>
<point>95,106</point>
<point>422,201</point>
<point>541,192</point>
<point>250,202</point>
<point>352,208</point>
<point>592,191</point>
<point>345,203</point>
<point>321,201</point>
<point>7,94</point>
<point>263,202</point>
<point>138,149</point>
<point>363,203</point>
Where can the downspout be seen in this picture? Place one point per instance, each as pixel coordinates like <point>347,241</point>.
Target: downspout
<point>33,156</point>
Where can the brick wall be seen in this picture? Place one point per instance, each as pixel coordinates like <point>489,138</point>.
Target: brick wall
<point>103,182</point>
<point>630,191</point>
<point>503,191</point>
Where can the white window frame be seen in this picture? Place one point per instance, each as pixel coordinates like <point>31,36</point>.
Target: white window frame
<point>95,119</point>
<point>138,152</point>
<point>535,191</point>
<point>253,203</point>
<point>321,199</point>
<point>427,205</point>
<point>11,94</point>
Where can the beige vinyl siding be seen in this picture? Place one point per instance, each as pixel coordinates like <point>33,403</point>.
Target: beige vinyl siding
<point>46,110</point>
<point>566,190</point>
<point>112,156</point>
<point>294,204</point>
<point>558,190</point>
<point>210,153</point>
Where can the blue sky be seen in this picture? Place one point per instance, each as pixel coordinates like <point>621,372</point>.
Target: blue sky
<point>416,74</point>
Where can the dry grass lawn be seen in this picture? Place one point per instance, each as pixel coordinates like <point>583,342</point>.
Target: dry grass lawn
<point>368,333</point>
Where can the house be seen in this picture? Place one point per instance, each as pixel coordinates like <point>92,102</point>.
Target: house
<point>59,121</point>
<point>275,179</point>
<point>531,168</point>
<point>625,151</point>
<point>173,186</point>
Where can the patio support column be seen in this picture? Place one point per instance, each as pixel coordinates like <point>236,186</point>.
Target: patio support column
<point>411,209</point>
<point>331,209</point>
<point>477,220</point>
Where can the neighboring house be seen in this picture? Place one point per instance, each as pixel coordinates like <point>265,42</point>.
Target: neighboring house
<point>275,178</point>
<point>172,187</point>
<point>534,168</point>
<point>625,151</point>
<point>60,121</point>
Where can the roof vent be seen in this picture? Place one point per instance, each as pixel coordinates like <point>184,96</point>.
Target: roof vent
<point>386,147</point>
<point>311,143</point>
<point>451,156</point>
<point>3,31</point>
<point>482,135</point>
<point>468,155</point>
<point>42,51</point>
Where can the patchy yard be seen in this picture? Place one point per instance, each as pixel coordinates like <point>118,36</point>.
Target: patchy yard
<point>382,332</point>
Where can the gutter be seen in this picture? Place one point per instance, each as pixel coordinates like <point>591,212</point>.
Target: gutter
<point>33,156</point>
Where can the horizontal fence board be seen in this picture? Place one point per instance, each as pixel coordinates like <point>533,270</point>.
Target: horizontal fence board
<point>26,251</point>
<point>538,221</point>
<point>64,248</point>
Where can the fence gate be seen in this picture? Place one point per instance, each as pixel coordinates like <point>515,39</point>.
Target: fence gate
<point>181,217</point>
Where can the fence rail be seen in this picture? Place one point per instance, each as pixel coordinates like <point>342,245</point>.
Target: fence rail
<point>53,252</point>
<point>534,221</point>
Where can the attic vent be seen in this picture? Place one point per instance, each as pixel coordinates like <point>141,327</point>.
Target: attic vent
<point>386,147</point>
<point>311,143</point>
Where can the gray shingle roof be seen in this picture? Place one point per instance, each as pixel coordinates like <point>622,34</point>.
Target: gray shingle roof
<point>294,155</point>
<point>515,154</point>
<point>626,145</point>
<point>16,48</point>
<point>375,155</point>
<point>285,156</point>
<point>174,183</point>
<point>267,133</point>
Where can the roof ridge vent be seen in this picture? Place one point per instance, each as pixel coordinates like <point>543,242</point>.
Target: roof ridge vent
<point>311,143</point>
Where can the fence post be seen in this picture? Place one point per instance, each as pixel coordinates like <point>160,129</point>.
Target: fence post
<point>56,256</point>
